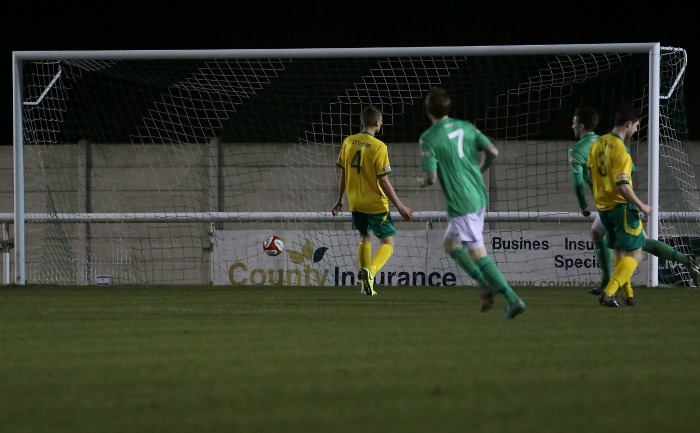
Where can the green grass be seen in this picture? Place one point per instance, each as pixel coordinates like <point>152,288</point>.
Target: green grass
<point>272,359</point>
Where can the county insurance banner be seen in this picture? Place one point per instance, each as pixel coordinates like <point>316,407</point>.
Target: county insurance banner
<point>329,258</point>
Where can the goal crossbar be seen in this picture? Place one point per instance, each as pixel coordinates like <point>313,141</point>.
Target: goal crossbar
<point>295,53</point>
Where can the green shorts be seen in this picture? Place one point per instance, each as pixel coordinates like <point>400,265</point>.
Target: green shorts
<point>380,224</point>
<point>624,227</point>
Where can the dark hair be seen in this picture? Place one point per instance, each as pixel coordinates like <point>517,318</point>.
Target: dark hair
<point>370,115</point>
<point>625,114</point>
<point>588,117</point>
<point>438,102</point>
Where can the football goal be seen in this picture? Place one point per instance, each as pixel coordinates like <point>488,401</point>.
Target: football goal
<point>173,167</point>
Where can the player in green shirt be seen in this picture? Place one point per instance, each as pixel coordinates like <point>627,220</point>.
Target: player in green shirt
<point>584,124</point>
<point>450,151</point>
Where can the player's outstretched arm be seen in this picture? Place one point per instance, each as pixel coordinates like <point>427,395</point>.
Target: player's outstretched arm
<point>628,193</point>
<point>427,180</point>
<point>490,155</point>
<point>579,188</point>
<point>338,205</point>
<point>388,189</point>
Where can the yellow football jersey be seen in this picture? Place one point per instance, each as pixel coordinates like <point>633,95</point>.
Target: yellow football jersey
<point>365,159</point>
<point>610,164</point>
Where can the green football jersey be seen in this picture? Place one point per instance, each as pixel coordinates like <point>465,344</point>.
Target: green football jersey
<point>451,148</point>
<point>578,157</point>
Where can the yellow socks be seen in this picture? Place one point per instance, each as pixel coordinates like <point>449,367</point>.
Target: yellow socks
<point>380,258</point>
<point>624,268</point>
<point>364,254</point>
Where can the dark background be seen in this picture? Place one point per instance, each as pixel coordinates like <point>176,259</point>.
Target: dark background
<point>40,26</point>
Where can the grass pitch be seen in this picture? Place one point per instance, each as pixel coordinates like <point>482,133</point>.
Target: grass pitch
<point>412,359</point>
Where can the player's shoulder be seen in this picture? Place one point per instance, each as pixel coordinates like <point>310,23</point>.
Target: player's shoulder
<point>357,136</point>
<point>350,138</point>
<point>616,142</point>
<point>603,139</point>
<point>585,141</point>
<point>460,123</point>
<point>611,138</point>
<point>375,141</point>
<point>590,138</point>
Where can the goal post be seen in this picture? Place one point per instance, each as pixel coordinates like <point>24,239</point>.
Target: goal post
<point>172,167</point>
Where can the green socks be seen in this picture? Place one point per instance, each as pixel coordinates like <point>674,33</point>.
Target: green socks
<point>495,278</point>
<point>485,273</point>
<point>604,257</point>
<point>461,256</point>
<point>665,251</point>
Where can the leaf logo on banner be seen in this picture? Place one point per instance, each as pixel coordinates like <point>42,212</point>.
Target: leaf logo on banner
<point>307,253</point>
<point>318,255</point>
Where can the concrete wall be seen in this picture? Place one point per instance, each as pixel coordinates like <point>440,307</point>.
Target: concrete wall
<point>151,180</point>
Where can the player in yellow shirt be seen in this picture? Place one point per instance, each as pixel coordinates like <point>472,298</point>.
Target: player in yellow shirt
<point>619,207</point>
<point>364,164</point>
<point>584,124</point>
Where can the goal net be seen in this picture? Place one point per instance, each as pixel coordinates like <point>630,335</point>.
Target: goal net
<point>173,167</point>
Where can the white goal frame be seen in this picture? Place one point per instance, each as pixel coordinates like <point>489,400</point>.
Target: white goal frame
<point>19,218</point>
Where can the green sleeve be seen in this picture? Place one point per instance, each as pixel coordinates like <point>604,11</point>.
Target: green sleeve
<point>578,183</point>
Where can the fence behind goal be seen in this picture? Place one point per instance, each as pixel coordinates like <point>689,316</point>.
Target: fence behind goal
<point>171,167</point>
